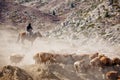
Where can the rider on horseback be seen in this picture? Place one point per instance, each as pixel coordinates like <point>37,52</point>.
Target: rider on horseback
<point>29,29</point>
<point>29,35</point>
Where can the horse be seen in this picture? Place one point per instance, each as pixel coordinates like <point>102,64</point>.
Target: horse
<point>26,36</point>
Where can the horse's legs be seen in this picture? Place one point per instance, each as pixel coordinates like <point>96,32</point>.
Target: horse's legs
<point>22,41</point>
<point>18,39</point>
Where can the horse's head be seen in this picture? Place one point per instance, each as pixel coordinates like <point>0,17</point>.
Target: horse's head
<point>38,34</point>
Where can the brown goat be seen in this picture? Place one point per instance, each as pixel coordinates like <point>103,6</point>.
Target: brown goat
<point>16,58</point>
<point>105,61</point>
<point>116,61</point>
<point>112,75</point>
<point>44,57</point>
<point>94,56</point>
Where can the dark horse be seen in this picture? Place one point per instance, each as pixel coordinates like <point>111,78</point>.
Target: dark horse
<point>25,36</point>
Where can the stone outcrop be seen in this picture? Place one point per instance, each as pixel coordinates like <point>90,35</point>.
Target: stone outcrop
<point>13,73</point>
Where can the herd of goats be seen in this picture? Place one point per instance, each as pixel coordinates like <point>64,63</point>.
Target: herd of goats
<point>110,67</point>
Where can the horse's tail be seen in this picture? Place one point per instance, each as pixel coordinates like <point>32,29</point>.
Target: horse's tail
<point>18,39</point>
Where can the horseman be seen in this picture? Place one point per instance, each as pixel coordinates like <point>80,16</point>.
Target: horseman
<point>28,35</point>
<point>29,29</point>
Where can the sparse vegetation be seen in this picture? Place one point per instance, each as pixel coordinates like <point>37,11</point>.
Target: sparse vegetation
<point>72,5</point>
<point>91,26</point>
<point>53,12</point>
<point>107,14</point>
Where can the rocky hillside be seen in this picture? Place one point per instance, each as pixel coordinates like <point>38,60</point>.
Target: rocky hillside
<point>56,7</point>
<point>77,18</point>
<point>12,13</point>
<point>92,19</point>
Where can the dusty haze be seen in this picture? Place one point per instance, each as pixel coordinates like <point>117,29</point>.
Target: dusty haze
<point>84,45</point>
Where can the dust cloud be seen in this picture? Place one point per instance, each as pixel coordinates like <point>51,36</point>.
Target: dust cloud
<point>8,46</point>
